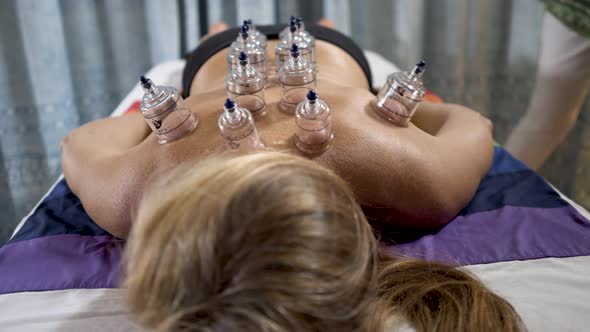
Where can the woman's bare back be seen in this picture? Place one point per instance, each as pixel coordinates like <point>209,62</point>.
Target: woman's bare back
<point>423,174</point>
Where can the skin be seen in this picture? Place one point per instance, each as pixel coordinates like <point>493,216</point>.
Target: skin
<point>420,176</point>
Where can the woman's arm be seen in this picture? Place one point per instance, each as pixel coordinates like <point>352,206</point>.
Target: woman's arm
<point>464,150</point>
<point>99,141</point>
<point>453,152</point>
<point>110,136</point>
<point>98,169</point>
<point>459,128</point>
<point>420,176</point>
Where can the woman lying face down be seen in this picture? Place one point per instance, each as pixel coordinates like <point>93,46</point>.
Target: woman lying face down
<point>274,242</point>
<point>419,176</point>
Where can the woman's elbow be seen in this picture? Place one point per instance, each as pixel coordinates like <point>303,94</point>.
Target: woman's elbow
<point>68,146</point>
<point>446,206</point>
<point>426,209</point>
<point>451,192</point>
<point>67,155</point>
<point>439,208</point>
<point>443,196</point>
<point>74,160</point>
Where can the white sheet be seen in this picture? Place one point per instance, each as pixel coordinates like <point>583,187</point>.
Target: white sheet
<point>550,294</point>
<point>72,310</point>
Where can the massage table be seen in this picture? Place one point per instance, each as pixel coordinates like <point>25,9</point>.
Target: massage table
<point>522,237</point>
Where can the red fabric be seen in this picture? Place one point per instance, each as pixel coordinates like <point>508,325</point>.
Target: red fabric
<point>134,108</point>
<point>432,97</point>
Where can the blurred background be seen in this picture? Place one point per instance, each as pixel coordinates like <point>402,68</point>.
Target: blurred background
<point>66,62</point>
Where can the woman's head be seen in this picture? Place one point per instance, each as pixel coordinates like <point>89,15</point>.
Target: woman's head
<point>273,242</point>
<point>259,242</point>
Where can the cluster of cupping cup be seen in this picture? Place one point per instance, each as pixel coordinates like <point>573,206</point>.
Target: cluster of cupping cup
<point>294,70</point>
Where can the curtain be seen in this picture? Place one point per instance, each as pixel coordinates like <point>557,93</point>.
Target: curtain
<point>62,64</point>
<point>66,62</point>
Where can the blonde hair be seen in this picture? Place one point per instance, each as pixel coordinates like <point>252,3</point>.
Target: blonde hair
<point>274,242</point>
